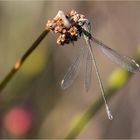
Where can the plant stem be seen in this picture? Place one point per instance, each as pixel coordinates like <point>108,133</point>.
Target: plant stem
<point>88,115</point>
<point>19,63</point>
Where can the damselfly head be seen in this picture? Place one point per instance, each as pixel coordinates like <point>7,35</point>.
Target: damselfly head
<point>69,26</point>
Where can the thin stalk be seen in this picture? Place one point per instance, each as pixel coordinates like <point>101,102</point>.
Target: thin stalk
<point>19,63</point>
<point>92,111</point>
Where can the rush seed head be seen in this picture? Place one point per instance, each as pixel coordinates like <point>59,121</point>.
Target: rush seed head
<point>68,25</point>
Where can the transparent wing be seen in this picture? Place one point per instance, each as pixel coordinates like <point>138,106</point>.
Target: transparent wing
<point>72,72</point>
<point>87,82</point>
<point>124,61</point>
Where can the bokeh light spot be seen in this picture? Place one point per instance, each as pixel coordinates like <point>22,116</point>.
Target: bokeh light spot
<point>117,78</point>
<point>17,121</point>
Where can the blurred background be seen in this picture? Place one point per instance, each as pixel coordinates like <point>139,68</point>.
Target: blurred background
<point>33,105</point>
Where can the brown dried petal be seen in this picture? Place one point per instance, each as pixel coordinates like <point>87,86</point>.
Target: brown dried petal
<point>64,30</point>
<point>73,12</point>
<point>58,29</point>
<point>73,31</point>
<point>82,16</point>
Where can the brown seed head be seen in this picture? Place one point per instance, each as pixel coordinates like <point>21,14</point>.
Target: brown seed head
<point>67,34</point>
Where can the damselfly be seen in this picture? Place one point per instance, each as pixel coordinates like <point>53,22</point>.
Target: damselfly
<point>71,27</point>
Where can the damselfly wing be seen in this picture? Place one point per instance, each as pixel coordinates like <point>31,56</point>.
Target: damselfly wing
<point>72,73</point>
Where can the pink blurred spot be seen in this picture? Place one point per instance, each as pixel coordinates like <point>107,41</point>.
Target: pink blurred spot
<point>18,121</point>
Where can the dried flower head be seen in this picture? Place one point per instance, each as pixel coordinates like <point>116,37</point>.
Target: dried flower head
<point>67,25</point>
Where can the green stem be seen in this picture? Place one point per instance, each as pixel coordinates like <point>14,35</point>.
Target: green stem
<point>19,63</point>
<point>95,107</point>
